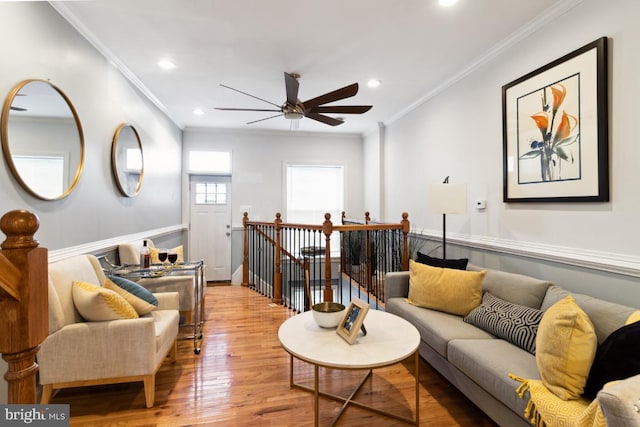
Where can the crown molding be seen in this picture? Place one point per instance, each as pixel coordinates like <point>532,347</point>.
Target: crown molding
<point>71,18</point>
<point>553,12</point>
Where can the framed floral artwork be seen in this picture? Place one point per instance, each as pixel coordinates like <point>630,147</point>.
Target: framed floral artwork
<point>555,130</point>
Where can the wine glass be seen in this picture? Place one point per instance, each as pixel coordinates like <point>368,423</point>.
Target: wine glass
<point>172,256</point>
<point>162,255</point>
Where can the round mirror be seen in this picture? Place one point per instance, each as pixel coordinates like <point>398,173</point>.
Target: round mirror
<point>127,161</point>
<point>42,139</point>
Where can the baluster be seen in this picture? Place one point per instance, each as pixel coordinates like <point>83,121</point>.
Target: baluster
<point>245,254</point>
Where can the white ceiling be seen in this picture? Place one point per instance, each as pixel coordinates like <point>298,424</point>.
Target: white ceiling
<point>415,47</point>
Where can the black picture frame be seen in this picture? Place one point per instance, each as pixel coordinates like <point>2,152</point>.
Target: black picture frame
<point>555,130</point>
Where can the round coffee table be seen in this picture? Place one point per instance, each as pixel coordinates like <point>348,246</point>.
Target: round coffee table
<point>389,340</point>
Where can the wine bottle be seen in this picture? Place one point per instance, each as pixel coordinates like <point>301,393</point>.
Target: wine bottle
<point>145,256</point>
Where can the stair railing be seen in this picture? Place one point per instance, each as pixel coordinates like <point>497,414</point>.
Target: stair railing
<point>293,263</point>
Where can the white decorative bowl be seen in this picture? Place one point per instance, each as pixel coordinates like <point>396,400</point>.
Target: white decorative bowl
<point>328,314</point>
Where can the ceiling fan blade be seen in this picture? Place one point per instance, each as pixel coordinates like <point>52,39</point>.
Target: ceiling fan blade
<point>18,108</point>
<point>336,95</point>
<point>324,119</point>
<point>245,109</point>
<point>292,85</point>
<point>252,96</point>
<point>342,109</point>
<point>266,118</point>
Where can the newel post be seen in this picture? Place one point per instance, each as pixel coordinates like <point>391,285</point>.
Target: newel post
<point>277,274</point>
<point>405,241</point>
<point>327,229</point>
<point>24,305</point>
<point>245,254</point>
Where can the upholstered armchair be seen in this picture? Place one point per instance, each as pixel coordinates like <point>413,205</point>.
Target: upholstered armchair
<point>78,352</point>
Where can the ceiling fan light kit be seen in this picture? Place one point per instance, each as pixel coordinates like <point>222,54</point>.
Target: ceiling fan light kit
<point>314,108</point>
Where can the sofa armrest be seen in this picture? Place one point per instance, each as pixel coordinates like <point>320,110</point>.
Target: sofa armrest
<point>168,300</point>
<point>396,285</point>
<point>620,402</point>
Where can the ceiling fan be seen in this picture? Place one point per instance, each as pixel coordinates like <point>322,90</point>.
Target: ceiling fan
<point>314,108</point>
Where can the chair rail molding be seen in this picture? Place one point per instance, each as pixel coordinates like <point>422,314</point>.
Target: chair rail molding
<point>594,260</point>
<point>113,242</point>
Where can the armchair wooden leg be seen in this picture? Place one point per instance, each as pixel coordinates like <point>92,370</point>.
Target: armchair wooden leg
<point>150,390</point>
<point>47,393</point>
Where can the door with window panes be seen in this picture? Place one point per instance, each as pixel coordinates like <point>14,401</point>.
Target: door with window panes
<point>210,233</point>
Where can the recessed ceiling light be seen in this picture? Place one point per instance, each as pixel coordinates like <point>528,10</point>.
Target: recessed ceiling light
<point>373,83</point>
<point>198,112</point>
<point>166,64</point>
<point>447,3</point>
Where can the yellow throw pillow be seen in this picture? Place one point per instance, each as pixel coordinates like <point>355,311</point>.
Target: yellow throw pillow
<point>445,289</point>
<point>95,303</point>
<point>153,252</point>
<point>565,348</point>
<point>141,306</point>
<point>633,318</point>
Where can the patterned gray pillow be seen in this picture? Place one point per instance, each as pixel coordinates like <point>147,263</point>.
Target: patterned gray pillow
<point>515,323</point>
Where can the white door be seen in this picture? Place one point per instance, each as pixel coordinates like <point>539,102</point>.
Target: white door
<point>210,225</point>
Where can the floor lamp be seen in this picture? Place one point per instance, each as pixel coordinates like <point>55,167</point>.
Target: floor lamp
<point>446,199</point>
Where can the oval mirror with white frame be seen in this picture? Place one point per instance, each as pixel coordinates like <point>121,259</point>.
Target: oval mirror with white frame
<point>127,161</point>
<point>42,139</point>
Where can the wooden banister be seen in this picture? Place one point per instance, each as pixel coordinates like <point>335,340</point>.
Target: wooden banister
<point>265,266</point>
<point>24,319</point>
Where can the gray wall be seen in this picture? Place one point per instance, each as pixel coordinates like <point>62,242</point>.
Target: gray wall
<point>43,45</point>
<point>457,132</point>
<point>38,43</point>
<point>258,160</point>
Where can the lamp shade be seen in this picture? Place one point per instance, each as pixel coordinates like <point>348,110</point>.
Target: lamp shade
<point>448,198</point>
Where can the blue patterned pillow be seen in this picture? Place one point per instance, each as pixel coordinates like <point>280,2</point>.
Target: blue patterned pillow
<point>515,323</point>
<point>135,289</point>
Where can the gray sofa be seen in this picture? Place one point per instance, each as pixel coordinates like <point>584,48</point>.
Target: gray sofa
<point>478,363</point>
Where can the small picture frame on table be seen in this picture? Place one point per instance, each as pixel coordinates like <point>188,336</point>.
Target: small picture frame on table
<point>352,321</point>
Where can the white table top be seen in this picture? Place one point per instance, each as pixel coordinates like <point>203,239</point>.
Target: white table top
<point>390,339</point>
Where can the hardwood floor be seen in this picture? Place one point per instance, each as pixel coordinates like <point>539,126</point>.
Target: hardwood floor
<point>241,378</point>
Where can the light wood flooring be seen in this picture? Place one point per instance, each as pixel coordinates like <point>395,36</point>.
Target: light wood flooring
<point>241,378</point>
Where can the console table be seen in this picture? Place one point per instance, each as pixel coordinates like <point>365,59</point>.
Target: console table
<point>193,268</point>
<point>389,340</point>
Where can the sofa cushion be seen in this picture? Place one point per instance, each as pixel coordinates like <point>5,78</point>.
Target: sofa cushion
<point>606,316</point>
<point>565,348</point>
<point>139,305</point>
<point>95,303</point>
<point>512,287</point>
<point>445,289</point>
<point>436,327</point>
<point>488,364</point>
<point>616,359</point>
<point>56,315</point>
<point>458,264</point>
<point>633,317</point>
<point>515,323</point>
<point>135,289</point>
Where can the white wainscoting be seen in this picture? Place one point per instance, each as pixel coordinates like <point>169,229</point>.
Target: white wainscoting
<point>112,243</point>
<point>603,261</point>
